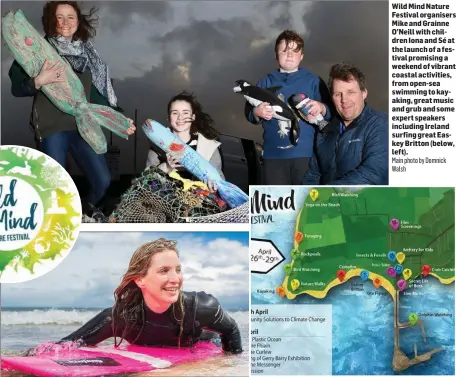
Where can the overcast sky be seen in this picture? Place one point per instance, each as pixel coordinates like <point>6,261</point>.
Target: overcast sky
<point>157,49</point>
<point>217,263</point>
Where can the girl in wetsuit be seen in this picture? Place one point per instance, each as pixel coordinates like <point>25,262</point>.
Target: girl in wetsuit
<point>152,310</point>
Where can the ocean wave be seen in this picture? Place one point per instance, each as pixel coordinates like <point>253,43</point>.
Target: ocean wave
<point>241,318</point>
<point>48,317</point>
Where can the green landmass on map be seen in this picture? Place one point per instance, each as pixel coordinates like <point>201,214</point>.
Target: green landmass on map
<point>345,233</point>
<point>353,233</point>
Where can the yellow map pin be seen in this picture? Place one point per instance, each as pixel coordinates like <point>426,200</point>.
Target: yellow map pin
<point>400,257</point>
<point>313,194</point>
<point>294,284</point>
<point>407,273</point>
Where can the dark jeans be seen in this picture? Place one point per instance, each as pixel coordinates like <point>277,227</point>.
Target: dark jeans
<point>93,165</point>
<point>285,172</point>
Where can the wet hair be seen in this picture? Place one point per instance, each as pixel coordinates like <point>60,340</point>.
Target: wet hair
<point>129,301</point>
<point>346,72</point>
<point>289,36</point>
<point>203,122</point>
<point>87,22</point>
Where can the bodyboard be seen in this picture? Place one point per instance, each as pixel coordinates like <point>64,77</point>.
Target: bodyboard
<point>107,360</point>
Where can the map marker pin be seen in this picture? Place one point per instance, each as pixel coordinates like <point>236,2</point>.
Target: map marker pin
<point>394,223</point>
<point>364,275</point>
<point>400,257</point>
<point>413,318</point>
<point>341,275</point>
<point>398,268</point>
<point>313,194</point>
<point>392,256</point>
<point>425,270</point>
<point>407,273</point>
<point>294,284</point>
<point>401,284</point>
<point>391,272</point>
<point>377,282</point>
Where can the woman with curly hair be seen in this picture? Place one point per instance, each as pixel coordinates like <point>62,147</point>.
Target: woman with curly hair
<point>151,309</point>
<point>70,32</point>
<point>193,126</point>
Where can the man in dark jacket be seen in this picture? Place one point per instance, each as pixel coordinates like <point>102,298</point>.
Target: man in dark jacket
<point>353,148</point>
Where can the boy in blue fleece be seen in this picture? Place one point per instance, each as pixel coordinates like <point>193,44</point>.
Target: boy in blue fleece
<point>353,148</point>
<point>285,164</point>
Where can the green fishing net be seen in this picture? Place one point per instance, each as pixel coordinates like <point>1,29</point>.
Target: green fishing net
<point>155,197</point>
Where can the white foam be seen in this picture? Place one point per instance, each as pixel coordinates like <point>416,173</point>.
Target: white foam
<point>46,317</point>
<point>73,317</point>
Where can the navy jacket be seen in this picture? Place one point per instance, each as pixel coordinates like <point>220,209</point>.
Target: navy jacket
<point>357,157</point>
<point>301,81</point>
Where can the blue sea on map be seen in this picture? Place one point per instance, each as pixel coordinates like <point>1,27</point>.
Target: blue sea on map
<point>363,331</point>
<point>363,328</point>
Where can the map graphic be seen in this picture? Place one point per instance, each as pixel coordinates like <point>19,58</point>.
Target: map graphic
<point>387,251</point>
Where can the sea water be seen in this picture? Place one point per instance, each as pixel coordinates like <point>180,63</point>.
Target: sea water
<point>363,327</point>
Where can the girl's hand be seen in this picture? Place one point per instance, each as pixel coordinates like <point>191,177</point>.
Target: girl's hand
<point>53,347</point>
<point>29,352</point>
<point>173,161</point>
<point>212,186</point>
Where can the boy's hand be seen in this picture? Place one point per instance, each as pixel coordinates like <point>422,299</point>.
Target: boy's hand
<point>315,108</point>
<point>263,111</point>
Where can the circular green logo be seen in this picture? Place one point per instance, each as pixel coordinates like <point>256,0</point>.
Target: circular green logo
<point>40,214</point>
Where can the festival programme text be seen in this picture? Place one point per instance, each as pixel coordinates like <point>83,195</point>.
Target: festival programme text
<point>291,339</point>
<point>423,70</point>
